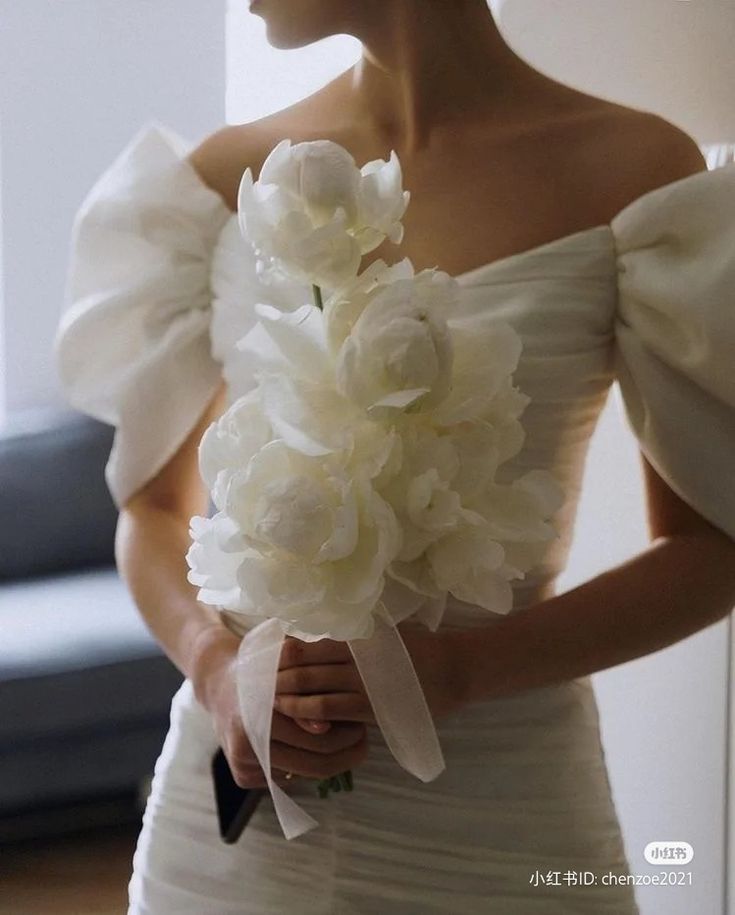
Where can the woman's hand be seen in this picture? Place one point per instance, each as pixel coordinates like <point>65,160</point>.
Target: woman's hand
<point>312,749</point>
<point>319,680</point>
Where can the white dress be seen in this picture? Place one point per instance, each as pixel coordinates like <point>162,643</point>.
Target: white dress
<point>161,287</point>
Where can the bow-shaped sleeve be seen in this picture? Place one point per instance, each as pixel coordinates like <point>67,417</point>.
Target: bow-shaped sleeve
<point>133,345</point>
<point>675,336</point>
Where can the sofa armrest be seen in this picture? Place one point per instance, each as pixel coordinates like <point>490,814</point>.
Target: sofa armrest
<point>56,509</point>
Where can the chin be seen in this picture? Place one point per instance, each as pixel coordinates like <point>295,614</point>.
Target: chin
<point>296,23</point>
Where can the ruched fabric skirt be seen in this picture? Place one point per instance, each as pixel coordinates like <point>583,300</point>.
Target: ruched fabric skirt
<point>525,790</point>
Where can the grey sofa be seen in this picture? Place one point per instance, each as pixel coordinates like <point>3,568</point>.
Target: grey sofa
<point>85,690</point>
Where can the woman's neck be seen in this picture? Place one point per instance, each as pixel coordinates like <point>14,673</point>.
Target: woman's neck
<point>427,64</point>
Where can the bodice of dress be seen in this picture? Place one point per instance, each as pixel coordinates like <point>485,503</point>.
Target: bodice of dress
<point>162,286</point>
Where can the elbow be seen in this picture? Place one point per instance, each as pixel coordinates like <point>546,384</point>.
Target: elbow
<point>705,560</point>
<point>721,549</point>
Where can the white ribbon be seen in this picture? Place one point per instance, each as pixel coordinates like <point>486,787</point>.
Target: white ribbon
<point>398,701</point>
<point>257,669</point>
<point>390,682</point>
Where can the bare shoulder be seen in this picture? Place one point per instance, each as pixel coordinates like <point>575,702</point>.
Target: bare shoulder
<point>666,152</point>
<point>648,152</point>
<point>620,152</point>
<point>222,157</point>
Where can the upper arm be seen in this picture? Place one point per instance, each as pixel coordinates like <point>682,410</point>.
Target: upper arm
<point>671,154</point>
<point>178,487</point>
<point>219,160</point>
<point>663,154</point>
<point>667,513</point>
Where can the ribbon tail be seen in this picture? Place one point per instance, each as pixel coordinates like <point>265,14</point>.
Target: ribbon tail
<point>398,700</point>
<point>256,672</point>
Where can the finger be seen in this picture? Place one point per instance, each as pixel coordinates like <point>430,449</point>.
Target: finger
<point>248,775</point>
<point>319,678</point>
<point>284,782</point>
<point>329,706</point>
<point>285,730</point>
<point>281,781</point>
<point>313,726</point>
<point>316,765</point>
<point>252,776</point>
<point>296,652</point>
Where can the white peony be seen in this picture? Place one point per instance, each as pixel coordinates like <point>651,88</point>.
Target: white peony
<point>312,541</point>
<point>215,554</point>
<point>381,203</point>
<point>470,564</point>
<point>519,511</point>
<point>347,303</point>
<point>486,352</point>
<point>494,539</point>
<point>399,350</point>
<point>464,533</point>
<point>296,395</point>
<point>313,213</point>
<point>419,491</point>
<point>228,443</point>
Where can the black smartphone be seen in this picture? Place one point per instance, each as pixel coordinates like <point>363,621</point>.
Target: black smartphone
<point>235,805</point>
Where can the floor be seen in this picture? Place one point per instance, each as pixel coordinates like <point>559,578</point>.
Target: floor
<point>84,874</point>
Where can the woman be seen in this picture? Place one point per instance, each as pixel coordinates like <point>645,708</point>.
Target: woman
<point>571,217</point>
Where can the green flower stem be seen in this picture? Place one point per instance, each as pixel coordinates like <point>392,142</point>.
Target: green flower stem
<point>341,782</point>
<point>317,297</point>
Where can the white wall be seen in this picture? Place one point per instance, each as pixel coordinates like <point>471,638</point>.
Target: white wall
<point>77,79</point>
<point>262,79</point>
<point>667,56</point>
<point>664,717</point>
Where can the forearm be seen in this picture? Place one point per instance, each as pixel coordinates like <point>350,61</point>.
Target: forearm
<point>151,546</point>
<point>674,588</point>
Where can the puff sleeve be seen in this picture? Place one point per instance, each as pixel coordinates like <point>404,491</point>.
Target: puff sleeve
<point>675,336</point>
<point>133,346</point>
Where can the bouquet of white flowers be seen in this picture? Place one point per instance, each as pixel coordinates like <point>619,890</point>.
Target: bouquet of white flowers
<point>355,484</point>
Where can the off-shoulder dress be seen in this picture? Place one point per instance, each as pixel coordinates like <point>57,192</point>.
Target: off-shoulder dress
<point>161,287</point>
